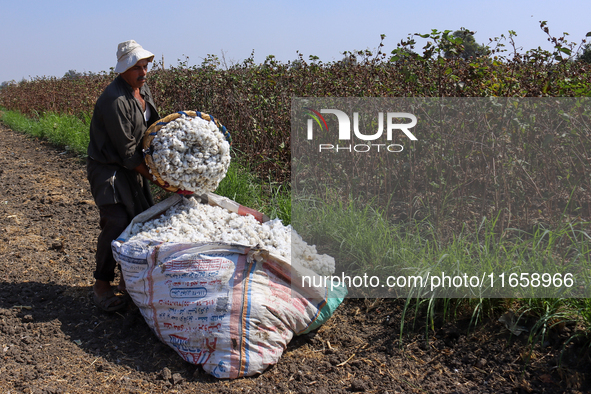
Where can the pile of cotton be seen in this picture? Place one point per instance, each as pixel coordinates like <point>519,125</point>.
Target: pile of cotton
<point>191,153</point>
<point>190,221</point>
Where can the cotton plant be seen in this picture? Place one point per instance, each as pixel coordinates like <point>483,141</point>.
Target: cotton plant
<point>190,221</point>
<point>191,153</point>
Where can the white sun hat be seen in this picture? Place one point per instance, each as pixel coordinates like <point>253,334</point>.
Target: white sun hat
<point>129,53</point>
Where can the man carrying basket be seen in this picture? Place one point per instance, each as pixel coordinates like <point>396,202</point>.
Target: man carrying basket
<point>116,169</point>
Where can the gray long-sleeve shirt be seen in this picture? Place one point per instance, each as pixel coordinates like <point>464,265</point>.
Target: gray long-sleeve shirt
<point>115,149</point>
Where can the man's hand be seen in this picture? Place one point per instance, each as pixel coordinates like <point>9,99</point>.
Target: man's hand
<point>145,172</point>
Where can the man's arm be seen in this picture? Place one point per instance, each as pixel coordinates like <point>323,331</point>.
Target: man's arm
<point>145,172</point>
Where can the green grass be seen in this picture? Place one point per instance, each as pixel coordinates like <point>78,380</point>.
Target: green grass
<point>363,241</point>
<point>62,130</point>
<point>242,186</point>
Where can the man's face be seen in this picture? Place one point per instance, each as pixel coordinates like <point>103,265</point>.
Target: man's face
<point>136,75</point>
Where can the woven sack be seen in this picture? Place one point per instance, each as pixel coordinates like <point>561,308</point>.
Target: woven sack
<point>230,308</point>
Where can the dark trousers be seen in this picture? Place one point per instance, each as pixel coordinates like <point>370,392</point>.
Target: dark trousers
<point>113,220</point>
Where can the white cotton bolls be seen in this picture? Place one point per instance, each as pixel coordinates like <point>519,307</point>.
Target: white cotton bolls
<point>190,221</point>
<point>307,256</point>
<point>191,153</point>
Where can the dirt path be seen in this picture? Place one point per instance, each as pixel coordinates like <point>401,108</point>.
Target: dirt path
<point>54,340</point>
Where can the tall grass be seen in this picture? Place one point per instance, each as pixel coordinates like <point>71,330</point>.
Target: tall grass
<point>364,241</point>
<point>242,186</point>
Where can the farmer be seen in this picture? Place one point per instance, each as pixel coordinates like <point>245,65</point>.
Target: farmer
<point>115,166</point>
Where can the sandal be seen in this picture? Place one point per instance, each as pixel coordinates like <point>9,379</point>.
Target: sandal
<point>108,302</point>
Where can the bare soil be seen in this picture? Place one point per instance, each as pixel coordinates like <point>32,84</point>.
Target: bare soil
<point>54,340</point>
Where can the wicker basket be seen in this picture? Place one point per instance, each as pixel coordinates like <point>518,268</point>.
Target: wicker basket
<point>153,131</point>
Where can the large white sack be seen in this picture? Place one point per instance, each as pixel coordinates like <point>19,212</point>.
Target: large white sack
<point>226,307</point>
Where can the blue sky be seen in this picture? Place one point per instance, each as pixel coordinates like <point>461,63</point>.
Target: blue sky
<point>48,38</point>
